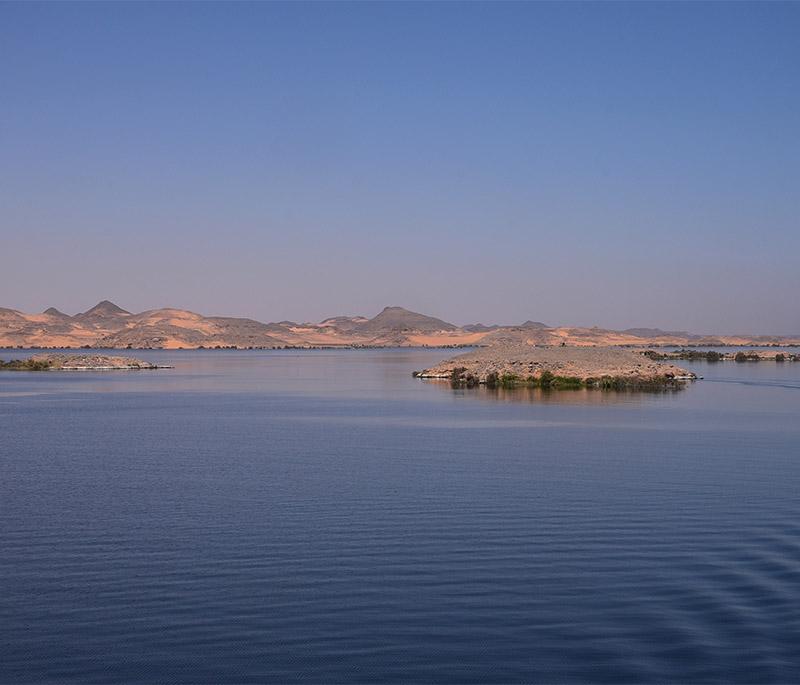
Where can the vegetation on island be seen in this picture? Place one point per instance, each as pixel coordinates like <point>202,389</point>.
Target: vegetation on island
<point>25,365</point>
<point>689,355</point>
<point>713,356</point>
<point>547,380</point>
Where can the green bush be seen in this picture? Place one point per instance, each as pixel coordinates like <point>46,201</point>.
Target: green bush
<point>509,380</point>
<point>546,379</point>
<point>25,365</point>
<point>609,383</point>
<point>567,382</point>
<point>455,375</point>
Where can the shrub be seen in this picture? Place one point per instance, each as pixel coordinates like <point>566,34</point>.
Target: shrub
<point>455,375</point>
<point>25,365</point>
<point>740,357</point>
<point>509,380</point>
<point>609,383</point>
<point>780,357</point>
<point>567,382</point>
<point>546,379</point>
<point>491,380</point>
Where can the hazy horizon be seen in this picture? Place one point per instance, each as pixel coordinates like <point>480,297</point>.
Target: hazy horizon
<point>617,165</point>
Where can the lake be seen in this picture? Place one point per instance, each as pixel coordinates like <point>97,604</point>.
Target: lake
<point>322,516</point>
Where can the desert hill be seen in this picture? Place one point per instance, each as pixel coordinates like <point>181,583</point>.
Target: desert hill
<point>399,319</point>
<point>344,323</point>
<point>480,328</point>
<point>55,314</point>
<point>658,333</point>
<point>102,314</point>
<point>106,325</point>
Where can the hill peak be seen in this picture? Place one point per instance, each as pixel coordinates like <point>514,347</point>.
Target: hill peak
<point>398,318</point>
<point>105,308</point>
<point>52,311</point>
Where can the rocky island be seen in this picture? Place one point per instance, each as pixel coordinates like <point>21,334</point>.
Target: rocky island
<point>77,362</point>
<point>714,356</point>
<point>557,367</point>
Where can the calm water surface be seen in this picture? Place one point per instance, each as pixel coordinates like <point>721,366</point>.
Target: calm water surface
<point>323,516</point>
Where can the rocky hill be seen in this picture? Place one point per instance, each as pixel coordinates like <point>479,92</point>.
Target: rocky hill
<point>107,325</point>
<point>399,319</point>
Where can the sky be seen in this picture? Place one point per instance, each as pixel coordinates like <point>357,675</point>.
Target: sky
<point>579,164</point>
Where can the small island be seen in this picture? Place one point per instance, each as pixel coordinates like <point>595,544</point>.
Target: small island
<point>78,362</point>
<point>523,365</point>
<point>714,356</point>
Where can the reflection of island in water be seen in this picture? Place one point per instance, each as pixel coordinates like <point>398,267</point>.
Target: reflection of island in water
<point>577,396</point>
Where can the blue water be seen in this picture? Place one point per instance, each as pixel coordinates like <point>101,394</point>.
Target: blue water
<point>325,517</point>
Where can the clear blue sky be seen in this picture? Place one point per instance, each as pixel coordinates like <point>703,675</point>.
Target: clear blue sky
<point>610,164</point>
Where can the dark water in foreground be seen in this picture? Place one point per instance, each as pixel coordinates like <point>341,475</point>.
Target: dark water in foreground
<point>323,516</point>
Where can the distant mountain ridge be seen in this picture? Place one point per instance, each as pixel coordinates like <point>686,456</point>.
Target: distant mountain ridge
<point>658,333</point>
<point>107,325</point>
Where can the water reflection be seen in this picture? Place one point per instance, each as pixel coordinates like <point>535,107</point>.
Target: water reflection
<point>574,396</point>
